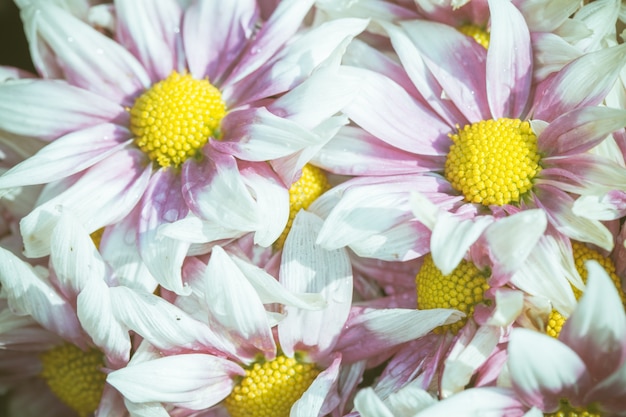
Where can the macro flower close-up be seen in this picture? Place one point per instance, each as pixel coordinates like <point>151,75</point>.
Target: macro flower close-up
<point>312,208</point>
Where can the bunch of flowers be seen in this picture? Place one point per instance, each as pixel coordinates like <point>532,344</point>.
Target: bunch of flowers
<point>304,208</point>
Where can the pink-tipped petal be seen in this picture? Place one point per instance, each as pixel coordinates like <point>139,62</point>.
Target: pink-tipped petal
<point>68,155</point>
<point>596,330</point>
<point>457,63</point>
<point>580,130</point>
<point>89,59</point>
<point>49,109</point>
<point>396,116</point>
<point>544,370</point>
<point>593,74</point>
<point>118,181</point>
<point>215,34</point>
<point>509,61</point>
<point>151,31</point>
<point>162,204</point>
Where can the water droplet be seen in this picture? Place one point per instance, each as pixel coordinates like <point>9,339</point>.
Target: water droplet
<point>99,51</point>
<point>255,50</point>
<point>70,39</point>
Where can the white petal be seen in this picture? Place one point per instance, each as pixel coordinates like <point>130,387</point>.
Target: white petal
<point>368,404</point>
<point>305,268</point>
<point>194,381</point>
<point>313,399</point>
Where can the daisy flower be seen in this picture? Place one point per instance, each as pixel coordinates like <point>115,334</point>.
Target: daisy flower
<point>56,345</point>
<point>584,369</point>
<point>466,127</point>
<point>179,114</point>
<point>310,344</point>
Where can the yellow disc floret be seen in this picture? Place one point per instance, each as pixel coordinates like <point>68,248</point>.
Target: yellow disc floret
<point>479,34</point>
<point>270,389</point>
<point>567,410</point>
<point>583,253</point>
<point>493,161</point>
<point>174,119</point>
<point>96,237</point>
<point>75,376</point>
<point>462,290</point>
<point>311,184</point>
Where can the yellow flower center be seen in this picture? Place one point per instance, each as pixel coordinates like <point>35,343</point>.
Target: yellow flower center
<point>462,289</point>
<point>96,237</point>
<point>75,376</point>
<point>174,119</point>
<point>493,161</point>
<point>567,410</point>
<point>302,193</point>
<point>477,33</point>
<point>583,253</point>
<point>270,389</point>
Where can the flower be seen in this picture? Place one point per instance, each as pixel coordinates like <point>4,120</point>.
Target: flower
<point>584,368</point>
<point>489,140</point>
<point>177,117</point>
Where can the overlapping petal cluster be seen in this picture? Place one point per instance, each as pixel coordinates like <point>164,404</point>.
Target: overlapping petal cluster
<point>314,208</point>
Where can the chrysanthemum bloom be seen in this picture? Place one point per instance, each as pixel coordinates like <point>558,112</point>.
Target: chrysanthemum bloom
<point>584,370</point>
<point>57,345</point>
<point>466,127</point>
<point>291,367</point>
<point>180,117</point>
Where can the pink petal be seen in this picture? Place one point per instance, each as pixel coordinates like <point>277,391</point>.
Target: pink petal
<point>579,130</point>
<point>396,116</point>
<point>90,59</point>
<point>457,62</point>
<point>544,370</point>
<point>49,109</point>
<point>371,332</point>
<point>275,32</point>
<point>594,75</point>
<point>296,62</point>
<point>162,204</point>
<point>596,330</point>
<point>118,181</point>
<point>215,34</point>
<point>151,31</point>
<point>356,152</point>
<point>509,61</point>
<point>610,393</point>
<point>214,190</point>
<point>68,155</point>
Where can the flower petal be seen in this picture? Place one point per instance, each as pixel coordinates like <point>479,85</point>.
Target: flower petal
<point>544,370</point>
<point>48,109</point>
<point>371,332</point>
<point>456,61</point>
<point>594,74</point>
<point>95,312</point>
<point>308,268</point>
<point>162,204</point>
<point>596,330</point>
<point>28,293</point>
<point>235,306</point>
<point>118,181</point>
<point>68,155</point>
<point>484,402</point>
<point>509,61</point>
<point>314,398</point>
<point>195,381</point>
<point>215,34</point>
<point>151,31</point>
<point>89,59</point>
<point>580,130</point>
